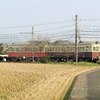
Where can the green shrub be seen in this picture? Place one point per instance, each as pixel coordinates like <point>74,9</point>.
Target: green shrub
<point>45,59</point>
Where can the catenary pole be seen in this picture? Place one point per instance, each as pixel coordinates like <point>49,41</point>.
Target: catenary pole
<point>76,39</point>
<point>32,43</point>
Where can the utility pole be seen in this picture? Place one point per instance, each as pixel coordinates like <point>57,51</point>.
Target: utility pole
<point>76,38</point>
<point>32,43</point>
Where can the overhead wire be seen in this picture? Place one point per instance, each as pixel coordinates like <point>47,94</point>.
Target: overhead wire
<point>54,28</point>
<point>66,21</point>
<point>59,34</point>
<point>41,24</point>
<point>88,19</point>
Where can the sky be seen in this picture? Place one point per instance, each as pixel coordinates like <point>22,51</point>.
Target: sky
<point>26,12</point>
<point>32,12</point>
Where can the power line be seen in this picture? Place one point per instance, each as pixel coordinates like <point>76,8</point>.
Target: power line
<point>89,20</point>
<point>58,32</point>
<point>66,21</point>
<point>90,34</point>
<point>42,24</point>
<point>89,31</point>
<point>10,27</point>
<point>54,28</point>
<point>91,25</point>
<point>91,37</point>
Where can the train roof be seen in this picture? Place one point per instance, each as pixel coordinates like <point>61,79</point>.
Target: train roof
<point>89,42</point>
<point>56,43</point>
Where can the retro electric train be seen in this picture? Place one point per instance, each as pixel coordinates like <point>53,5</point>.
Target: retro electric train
<point>55,51</point>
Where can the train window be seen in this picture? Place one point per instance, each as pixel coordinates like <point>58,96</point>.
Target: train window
<point>73,48</point>
<point>68,49</point>
<point>17,49</point>
<point>29,49</point>
<point>25,48</point>
<point>94,49</point>
<point>35,49</point>
<point>53,49</point>
<point>63,49</point>
<point>88,48</point>
<point>41,49</point>
<point>22,49</point>
<point>11,49</point>
<point>81,49</point>
<point>50,48</point>
<point>97,48</point>
<point>46,49</point>
<point>58,49</point>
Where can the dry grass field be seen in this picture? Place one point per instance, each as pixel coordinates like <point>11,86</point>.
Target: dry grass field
<point>24,81</point>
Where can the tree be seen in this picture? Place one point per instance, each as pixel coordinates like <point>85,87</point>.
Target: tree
<point>1,48</point>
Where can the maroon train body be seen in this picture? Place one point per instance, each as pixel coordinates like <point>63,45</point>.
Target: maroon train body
<point>26,54</point>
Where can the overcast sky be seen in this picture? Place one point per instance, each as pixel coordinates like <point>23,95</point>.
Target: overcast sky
<point>31,12</point>
<point>26,12</point>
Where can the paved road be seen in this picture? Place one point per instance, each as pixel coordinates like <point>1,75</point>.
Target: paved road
<point>87,86</point>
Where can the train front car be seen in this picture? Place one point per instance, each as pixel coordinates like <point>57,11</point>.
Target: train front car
<point>65,51</point>
<point>25,52</point>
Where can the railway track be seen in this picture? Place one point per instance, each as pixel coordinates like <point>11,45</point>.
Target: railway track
<point>86,86</point>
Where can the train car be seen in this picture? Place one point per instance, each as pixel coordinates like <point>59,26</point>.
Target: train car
<point>87,51</point>
<point>24,52</point>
